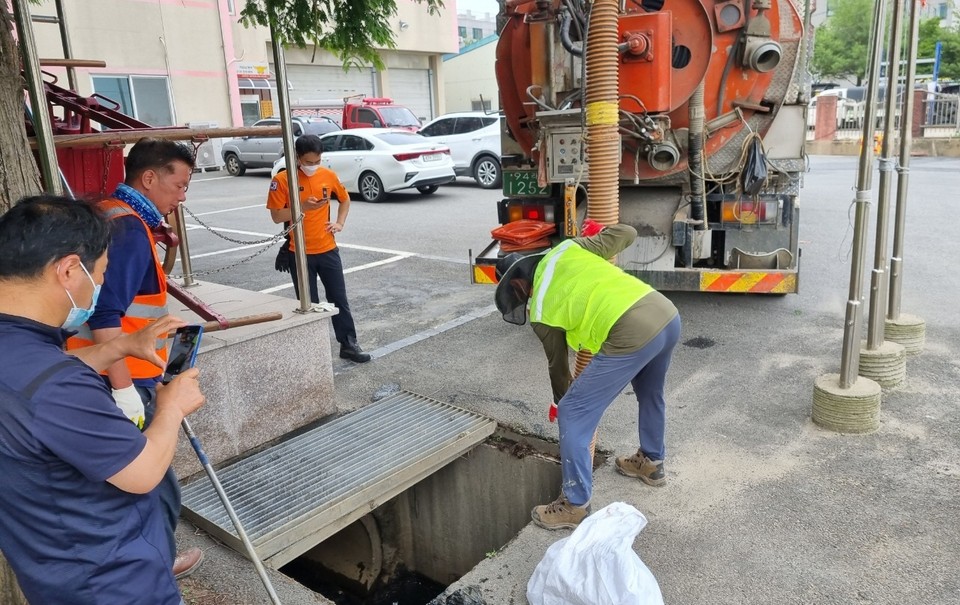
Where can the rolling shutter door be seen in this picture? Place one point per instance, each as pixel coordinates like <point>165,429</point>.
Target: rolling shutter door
<point>321,82</point>
<point>411,88</point>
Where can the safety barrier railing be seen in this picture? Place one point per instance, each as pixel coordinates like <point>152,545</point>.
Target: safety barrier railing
<point>935,115</point>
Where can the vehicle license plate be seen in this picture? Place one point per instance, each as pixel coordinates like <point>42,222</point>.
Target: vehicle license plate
<point>432,157</point>
<point>523,183</point>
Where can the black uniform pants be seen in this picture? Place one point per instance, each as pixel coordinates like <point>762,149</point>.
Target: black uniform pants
<point>328,267</point>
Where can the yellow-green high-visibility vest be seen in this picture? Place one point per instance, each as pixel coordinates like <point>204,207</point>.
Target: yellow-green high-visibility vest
<point>582,294</point>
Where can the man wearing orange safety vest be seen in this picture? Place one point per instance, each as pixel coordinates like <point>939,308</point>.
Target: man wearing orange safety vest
<point>134,292</point>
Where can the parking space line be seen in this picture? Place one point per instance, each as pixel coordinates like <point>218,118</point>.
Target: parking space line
<point>227,251</point>
<point>216,178</point>
<point>236,231</point>
<point>397,253</point>
<point>372,249</point>
<point>378,263</point>
<point>425,334</point>
<point>228,210</point>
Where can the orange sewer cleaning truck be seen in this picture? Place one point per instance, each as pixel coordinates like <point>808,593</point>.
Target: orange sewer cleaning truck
<point>704,103</point>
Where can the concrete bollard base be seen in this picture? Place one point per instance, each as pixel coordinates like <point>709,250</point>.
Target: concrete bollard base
<point>846,410</point>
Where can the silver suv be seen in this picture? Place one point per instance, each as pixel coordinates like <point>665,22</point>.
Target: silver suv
<point>261,152</point>
<point>474,141</point>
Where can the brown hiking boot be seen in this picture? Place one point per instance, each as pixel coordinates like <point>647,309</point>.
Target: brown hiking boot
<point>559,514</point>
<point>187,562</point>
<point>639,466</point>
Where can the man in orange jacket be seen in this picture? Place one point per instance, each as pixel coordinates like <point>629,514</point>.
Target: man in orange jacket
<point>318,185</point>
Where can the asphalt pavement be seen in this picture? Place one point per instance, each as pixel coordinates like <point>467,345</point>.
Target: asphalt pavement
<point>761,506</point>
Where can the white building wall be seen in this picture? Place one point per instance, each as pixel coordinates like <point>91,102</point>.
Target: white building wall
<point>421,39</point>
<point>178,42</point>
<point>199,48</point>
<point>469,75</point>
<point>472,28</point>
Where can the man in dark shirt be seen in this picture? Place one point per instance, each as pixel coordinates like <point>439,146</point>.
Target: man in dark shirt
<point>79,511</point>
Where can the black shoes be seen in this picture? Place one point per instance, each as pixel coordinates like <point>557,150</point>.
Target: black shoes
<point>354,353</point>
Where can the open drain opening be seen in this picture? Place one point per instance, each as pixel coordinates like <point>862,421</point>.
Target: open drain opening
<point>407,551</point>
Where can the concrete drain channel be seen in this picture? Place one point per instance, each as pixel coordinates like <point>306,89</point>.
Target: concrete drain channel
<point>388,504</point>
<point>410,548</point>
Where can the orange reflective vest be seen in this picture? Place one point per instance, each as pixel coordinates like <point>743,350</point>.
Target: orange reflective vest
<point>144,309</point>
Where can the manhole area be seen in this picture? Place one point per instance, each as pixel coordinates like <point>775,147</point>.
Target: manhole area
<point>408,550</point>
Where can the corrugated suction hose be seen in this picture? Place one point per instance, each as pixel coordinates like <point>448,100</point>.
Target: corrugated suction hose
<point>603,136</point>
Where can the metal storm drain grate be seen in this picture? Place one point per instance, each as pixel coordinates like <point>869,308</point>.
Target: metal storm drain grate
<point>298,493</point>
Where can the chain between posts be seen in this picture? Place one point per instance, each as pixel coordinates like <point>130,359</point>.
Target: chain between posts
<point>269,243</point>
<point>213,230</point>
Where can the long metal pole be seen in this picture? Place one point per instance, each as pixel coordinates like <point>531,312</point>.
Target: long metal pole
<point>67,47</point>
<point>878,278</point>
<point>286,124</point>
<point>251,552</point>
<point>38,99</point>
<point>903,169</point>
<point>850,355</point>
<point>186,265</point>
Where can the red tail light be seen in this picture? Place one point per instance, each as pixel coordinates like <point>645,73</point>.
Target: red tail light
<point>412,155</point>
<point>531,211</point>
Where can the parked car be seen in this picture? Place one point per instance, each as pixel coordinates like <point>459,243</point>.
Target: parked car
<point>474,142</point>
<point>242,153</point>
<point>376,161</point>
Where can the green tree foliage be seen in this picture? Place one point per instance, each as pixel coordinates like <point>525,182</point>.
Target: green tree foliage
<point>949,37</point>
<point>353,30</point>
<point>841,44</point>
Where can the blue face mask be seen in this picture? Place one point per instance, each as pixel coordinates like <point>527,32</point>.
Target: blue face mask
<point>77,316</point>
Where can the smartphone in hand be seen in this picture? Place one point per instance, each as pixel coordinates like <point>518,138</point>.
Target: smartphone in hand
<point>183,352</point>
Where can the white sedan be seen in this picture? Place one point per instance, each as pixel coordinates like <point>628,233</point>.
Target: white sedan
<point>376,161</point>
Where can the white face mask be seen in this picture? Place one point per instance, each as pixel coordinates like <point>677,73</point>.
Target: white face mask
<point>309,170</point>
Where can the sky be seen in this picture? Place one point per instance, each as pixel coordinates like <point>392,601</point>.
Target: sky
<point>477,7</point>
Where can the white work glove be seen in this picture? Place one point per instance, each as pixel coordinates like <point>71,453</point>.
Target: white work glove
<point>130,403</point>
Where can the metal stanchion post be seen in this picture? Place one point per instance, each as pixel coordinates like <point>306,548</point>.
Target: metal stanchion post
<point>903,180</point>
<point>879,275</point>
<point>907,330</point>
<point>849,359</point>
<point>848,402</point>
<point>885,362</point>
<point>289,152</point>
<point>184,248</point>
